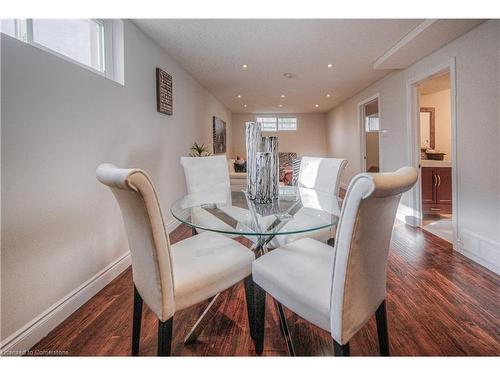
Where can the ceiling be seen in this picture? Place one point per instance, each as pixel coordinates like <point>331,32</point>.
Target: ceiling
<point>213,51</point>
<point>424,39</point>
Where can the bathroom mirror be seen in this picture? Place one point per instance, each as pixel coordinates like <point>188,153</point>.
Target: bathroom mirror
<point>427,128</point>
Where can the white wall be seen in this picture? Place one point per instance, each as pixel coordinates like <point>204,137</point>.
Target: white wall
<point>60,226</point>
<point>441,102</point>
<point>309,139</point>
<point>477,55</point>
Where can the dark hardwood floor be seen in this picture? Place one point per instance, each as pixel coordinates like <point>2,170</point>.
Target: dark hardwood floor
<point>439,303</point>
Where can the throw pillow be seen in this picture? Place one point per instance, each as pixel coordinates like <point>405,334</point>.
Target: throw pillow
<point>239,168</point>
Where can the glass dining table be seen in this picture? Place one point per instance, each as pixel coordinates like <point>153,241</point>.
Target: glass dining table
<point>295,214</point>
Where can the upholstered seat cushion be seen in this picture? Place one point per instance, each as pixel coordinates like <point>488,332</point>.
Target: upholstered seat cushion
<point>204,219</point>
<point>299,275</point>
<point>206,264</point>
<point>322,235</point>
<point>305,218</point>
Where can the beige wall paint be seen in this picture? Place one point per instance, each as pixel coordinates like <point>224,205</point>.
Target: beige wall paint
<point>60,226</point>
<point>477,56</point>
<point>309,139</point>
<point>441,102</point>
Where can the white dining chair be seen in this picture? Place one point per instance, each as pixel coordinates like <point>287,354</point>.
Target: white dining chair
<point>320,174</point>
<point>208,179</point>
<point>208,173</point>
<point>338,290</point>
<point>167,277</point>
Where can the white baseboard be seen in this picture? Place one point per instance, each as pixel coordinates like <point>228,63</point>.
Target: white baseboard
<point>475,247</point>
<point>24,338</point>
<point>407,215</point>
<point>21,341</point>
<point>479,249</point>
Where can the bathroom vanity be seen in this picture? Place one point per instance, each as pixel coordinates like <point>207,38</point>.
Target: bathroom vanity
<point>436,187</point>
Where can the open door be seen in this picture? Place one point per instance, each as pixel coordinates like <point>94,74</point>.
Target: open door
<point>371,135</point>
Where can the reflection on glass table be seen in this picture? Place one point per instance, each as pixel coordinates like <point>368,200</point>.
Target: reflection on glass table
<point>297,210</point>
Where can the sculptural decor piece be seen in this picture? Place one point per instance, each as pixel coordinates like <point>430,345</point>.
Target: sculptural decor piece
<point>263,193</point>
<point>270,145</point>
<point>253,141</point>
<point>262,165</point>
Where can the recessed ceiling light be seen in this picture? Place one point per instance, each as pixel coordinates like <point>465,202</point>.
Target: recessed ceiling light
<point>330,65</point>
<point>316,105</point>
<point>244,66</point>
<point>282,95</point>
<point>289,75</point>
<point>244,105</point>
<point>281,105</point>
<point>239,96</point>
<point>328,95</point>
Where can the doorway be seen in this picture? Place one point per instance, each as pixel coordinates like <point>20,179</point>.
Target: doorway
<point>434,138</point>
<point>370,134</point>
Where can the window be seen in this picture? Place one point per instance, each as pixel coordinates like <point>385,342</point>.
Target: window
<point>81,40</point>
<point>372,124</point>
<point>272,124</point>
<point>287,123</point>
<point>86,42</point>
<point>268,123</point>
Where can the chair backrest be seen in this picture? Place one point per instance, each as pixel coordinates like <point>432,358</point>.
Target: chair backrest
<point>361,248</point>
<point>207,174</point>
<point>322,174</point>
<point>148,241</point>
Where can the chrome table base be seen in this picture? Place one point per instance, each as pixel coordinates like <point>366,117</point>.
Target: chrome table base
<point>204,319</point>
<point>259,249</point>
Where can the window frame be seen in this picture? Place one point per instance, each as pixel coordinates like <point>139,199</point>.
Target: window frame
<point>24,32</point>
<point>288,130</point>
<point>268,117</point>
<point>368,129</point>
<point>277,123</point>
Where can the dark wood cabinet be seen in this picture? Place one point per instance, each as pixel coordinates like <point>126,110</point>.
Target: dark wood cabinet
<point>436,190</point>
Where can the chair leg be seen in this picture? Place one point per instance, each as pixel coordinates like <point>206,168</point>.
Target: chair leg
<point>136,322</point>
<point>382,331</point>
<point>250,299</point>
<point>165,337</point>
<point>260,317</point>
<point>341,350</point>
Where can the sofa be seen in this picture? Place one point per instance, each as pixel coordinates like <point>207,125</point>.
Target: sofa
<point>238,180</point>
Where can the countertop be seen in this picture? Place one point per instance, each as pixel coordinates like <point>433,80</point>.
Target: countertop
<point>435,163</point>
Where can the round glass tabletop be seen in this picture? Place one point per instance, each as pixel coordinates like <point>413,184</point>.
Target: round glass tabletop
<point>297,210</point>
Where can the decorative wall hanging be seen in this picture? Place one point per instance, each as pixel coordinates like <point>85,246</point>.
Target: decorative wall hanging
<point>164,100</point>
<point>219,135</point>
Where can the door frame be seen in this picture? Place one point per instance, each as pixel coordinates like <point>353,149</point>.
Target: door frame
<point>361,127</point>
<point>413,141</point>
